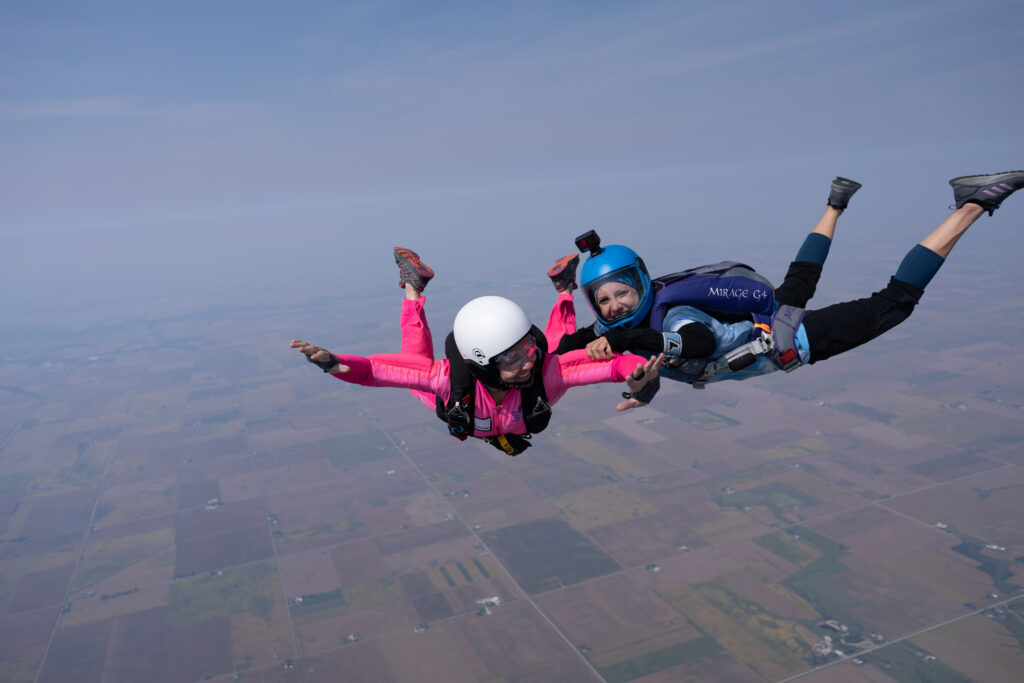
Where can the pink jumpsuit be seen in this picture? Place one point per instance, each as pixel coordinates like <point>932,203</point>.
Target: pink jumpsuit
<point>415,369</point>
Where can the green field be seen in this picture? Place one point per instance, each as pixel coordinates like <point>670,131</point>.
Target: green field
<point>653,662</point>
<point>346,600</point>
<point>251,589</point>
<point>906,663</point>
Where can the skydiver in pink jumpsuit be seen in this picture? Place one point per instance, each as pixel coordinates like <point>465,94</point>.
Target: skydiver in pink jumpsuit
<point>499,346</point>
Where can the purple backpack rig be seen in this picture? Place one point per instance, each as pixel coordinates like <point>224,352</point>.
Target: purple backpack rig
<point>731,291</point>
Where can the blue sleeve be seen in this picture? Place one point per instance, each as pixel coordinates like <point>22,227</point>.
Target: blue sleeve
<point>727,335</point>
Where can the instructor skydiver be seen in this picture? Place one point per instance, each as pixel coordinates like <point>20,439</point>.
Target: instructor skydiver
<point>705,340</point>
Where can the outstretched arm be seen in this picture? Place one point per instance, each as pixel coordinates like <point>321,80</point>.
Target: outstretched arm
<point>400,370</point>
<point>322,358</point>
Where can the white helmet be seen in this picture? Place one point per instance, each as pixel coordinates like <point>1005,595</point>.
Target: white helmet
<point>488,325</point>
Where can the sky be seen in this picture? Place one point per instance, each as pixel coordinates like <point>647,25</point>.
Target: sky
<point>207,150</point>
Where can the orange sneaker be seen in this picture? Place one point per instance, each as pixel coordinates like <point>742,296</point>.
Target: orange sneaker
<point>563,273</point>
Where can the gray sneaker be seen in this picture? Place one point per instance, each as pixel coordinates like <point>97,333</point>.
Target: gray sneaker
<point>842,190</point>
<point>411,269</point>
<point>987,191</point>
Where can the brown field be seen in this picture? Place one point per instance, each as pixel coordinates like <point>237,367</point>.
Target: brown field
<point>359,561</point>
<point>707,563</point>
<point>729,526</point>
<point>432,606</point>
<point>87,436</point>
<point>464,598</point>
<point>639,541</point>
<point>959,428</point>
<point>40,588</point>
<point>62,513</point>
<point>867,472</point>
<point>152,577</point>
<point>417,583</point>
<point>326,634</point>
<point>774,653</point>
<point>512,639</point>
<point>296,475</point>
<point>987,505</point>
<point>424,508</point>
<point>770,439</point>
<point>605,458</point>
<point>237,487</point>
<point>865,520</point>
<point>136,648</point>
<point>223,550</point>
<point>316,517</point>
<point>949,574</point>
<point>462,468</point>
<point>530,511</point>
<point>613,612</point>
<point>977,647</point>
<point>261,640</point>
<point>133,527</point>
<point>309,572</point>
<point>78,653</point>
<point>627,650</point>
<point>683,474</point>
<point>198,650</point>
<point>423,454</point>
<point>773,597</point>
<point>717,668</point>
<point>105,558</point>
<point>557,474</point>
<point>892,536</point>
<point>192,524</point>
<point>954,466</point>
<point>431,657</point>
<point>434,555</point>
<point>196,494</point>
<point>421,536</point>
<point>26,557</point>
<point>892,603</point>
<point>266,455</point>
<point>722,465</point>
<point>23,637</point>
<point>601,506</point>
<point>492,492</point>
<point>359,662</point>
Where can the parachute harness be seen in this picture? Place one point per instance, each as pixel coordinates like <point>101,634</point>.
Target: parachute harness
<point>778,343</point>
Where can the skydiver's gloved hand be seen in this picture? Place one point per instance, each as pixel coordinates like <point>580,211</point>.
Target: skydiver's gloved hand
<point>643,384</point>
<point>322,358</point>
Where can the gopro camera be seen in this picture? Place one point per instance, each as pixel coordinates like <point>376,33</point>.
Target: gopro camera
<point>589,241</point>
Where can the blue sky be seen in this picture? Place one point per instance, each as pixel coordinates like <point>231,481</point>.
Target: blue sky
<point>262,141</point>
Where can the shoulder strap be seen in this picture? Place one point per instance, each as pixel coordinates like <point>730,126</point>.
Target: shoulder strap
<point>536,409</point>
<point>459,410</point>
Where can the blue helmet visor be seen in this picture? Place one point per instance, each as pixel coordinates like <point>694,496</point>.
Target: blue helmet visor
<point>628,275</point>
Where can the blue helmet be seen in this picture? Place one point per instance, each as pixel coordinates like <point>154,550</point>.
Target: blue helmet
<point>615,263</point>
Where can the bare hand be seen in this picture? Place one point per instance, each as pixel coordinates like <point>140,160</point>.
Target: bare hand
<point>315,354</point>
<point>600,349</point>
<point>628,404</point>
<point>641,377</point>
